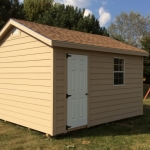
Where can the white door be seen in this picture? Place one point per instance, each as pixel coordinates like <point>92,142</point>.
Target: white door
<point>77,89</point>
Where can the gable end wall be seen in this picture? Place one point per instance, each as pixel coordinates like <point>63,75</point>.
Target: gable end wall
<point>26,79</point>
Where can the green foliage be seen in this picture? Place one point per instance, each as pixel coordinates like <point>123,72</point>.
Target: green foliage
<point>10,9</point>
<point>131,27</point>
<point>16,10</point>
<point>34,8</point>
<point>56,14</point>
<point>118,38</point>
<point>61,16</point>
<point>5,6</point>
<point>50,13</point>
<point>146,45</point>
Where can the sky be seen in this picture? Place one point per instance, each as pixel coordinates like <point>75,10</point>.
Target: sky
<point>106,10</point>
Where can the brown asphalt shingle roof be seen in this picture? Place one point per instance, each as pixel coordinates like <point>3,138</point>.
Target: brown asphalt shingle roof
<point>65,35</point>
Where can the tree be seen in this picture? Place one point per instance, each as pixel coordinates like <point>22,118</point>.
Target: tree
<point>90,24</point>
<point>130,27</point>
<point>56,14</point>
<point>146,46</point>
<point>10,9</point>
<point>34,8</point>
<point>118,38</point>
<point>61,16</point>
<point>50,13</point>
<point>16,10</point>
<point>5,6</point>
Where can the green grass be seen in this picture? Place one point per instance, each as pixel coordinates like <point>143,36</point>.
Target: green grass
<point>128,134</point>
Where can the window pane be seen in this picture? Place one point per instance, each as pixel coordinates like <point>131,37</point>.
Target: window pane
<point>116,75</point>
<point>116,67</point>
<point>120,81</point>
<point>121,61</point>
<point>121,68</point>
<point>120,75</point>
<point>116,61</point>
<point>115,81</point>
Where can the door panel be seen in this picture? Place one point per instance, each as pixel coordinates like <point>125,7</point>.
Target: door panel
<point>77,88</point>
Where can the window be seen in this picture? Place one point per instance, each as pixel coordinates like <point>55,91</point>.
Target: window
<point>118,71</point>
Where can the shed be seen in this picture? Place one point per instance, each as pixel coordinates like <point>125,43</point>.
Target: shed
<point>56,80</point>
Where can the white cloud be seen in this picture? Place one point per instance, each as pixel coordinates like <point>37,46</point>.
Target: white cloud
<point>105,17</point>
<point>59,1</point>
<point>78,3</point>
<point>21,1</point>
<point>87,12</point>
<point>104,3</point>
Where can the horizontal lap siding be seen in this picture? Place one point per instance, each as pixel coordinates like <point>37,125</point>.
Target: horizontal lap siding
<point>60,86</point>
<point>109,102</point>
<point>26,82</point>
<point>60,91</point>
<point>106,101</point>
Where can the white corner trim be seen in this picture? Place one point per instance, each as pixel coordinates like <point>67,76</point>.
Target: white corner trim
<point>11,22</point>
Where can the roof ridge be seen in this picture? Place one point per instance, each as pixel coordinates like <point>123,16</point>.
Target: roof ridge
<point>61,35</point>
<point>75,31</point>
<point>61,28</point>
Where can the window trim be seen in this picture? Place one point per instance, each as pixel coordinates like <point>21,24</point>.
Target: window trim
<point>119,71</point>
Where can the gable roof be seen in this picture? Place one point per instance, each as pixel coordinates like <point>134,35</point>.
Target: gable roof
<point>61,37</point>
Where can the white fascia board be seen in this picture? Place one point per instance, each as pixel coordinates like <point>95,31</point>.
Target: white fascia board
<point>98,48</point>
<point>5,28</point>
<point>27,30</point>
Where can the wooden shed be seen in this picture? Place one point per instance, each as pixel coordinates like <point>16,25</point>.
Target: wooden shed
<point>56,80</point>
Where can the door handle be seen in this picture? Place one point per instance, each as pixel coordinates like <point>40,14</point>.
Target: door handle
<point>86,93</point>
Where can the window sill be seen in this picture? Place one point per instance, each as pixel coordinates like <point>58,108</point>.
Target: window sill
<point>119,85</point>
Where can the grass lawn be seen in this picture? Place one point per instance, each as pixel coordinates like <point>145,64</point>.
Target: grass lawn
<point>128,134</point>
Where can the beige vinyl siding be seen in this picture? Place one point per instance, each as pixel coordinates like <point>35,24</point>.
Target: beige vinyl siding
<point>26,82</point>
<point>60,91</point>
<point>60,87</point>
<point>109,102</point>
<point>106,102</point>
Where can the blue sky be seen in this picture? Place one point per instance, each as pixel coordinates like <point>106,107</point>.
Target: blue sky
<point>106,10</point>
<point>115,7</point>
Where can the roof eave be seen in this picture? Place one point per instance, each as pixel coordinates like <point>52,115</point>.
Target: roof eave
<point>5,29</point>
<point>11,23</point>
<point>50,42</point>
<point>98,48</point>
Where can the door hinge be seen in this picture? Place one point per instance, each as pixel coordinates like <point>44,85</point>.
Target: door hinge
<point>67,127</point>
<point>67,55</point>
<point>67,95</point>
